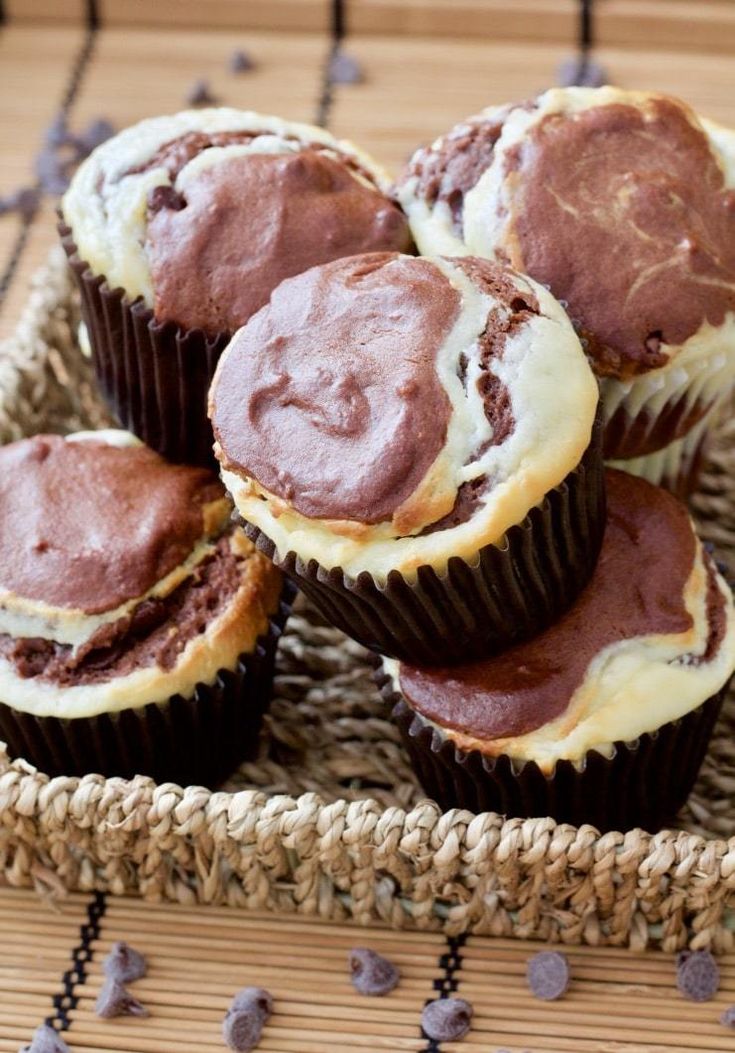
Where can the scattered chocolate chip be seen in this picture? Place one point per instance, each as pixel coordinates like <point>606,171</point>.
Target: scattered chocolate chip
<point>240,62</point>
<point>728,1017</point>
<point>245,1019</point>
<point>54,168</point>
<point>344,68</point>
<point>24,202</point>
<point>113,1000</point>
<point>581,72</point>
<point>97,132</point>
<point>200,95</point>
<point>548,975</point>
<point>446,1019</point>
<point>697,975</point>
<point>161,197</point>
<point>124,963</point>
<point>46,1040</point>
<point>57,133</point>
<point>370,973</point>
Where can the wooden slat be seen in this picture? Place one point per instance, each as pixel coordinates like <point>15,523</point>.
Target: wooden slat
<point>74,11</point>
<point>140,73</point>
<point>35,63</point>
<point>416,89</point>
<point>288,15</point>
<point>37,944</point>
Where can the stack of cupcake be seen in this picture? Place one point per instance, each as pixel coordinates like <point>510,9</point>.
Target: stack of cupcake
<point>417,441</point>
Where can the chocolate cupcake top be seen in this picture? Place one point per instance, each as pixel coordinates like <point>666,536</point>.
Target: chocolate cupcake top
<point>621,202</point>
<point>203,213</point>
<point>387,411</point>
<point>650,638</point>
<point>115,562</point>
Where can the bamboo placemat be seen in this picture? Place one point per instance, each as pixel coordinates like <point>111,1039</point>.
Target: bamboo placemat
<point>198,957</point>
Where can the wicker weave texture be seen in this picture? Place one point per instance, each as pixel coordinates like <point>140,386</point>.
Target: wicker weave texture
<point>329,819</point>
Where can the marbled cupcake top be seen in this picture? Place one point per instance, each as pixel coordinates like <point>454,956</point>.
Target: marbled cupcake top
<point>387,411</point>
<point>205,212</point>
<point>622,203</point>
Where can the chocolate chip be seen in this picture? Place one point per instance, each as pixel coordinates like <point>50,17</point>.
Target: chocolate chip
<point>200,95</point>
<point>113,1000</point>
<point>370,973</point>
<point>728,1017</point>
<point>240,62</point>
<point>57,133</point>
<point>97,132</point>
<point>245,1019</point>
<point>548,975</point>
<point>124,963</point>
<point>54,169</point>
<point>697,975</point>
<point>24,202</point>
<point>344,69</point>
<point>581,72</point>
<point>161,197</point>
<point>446,1019</point>
<point>46,1040</point>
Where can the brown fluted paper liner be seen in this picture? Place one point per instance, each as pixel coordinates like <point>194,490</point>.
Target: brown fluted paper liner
<point>642,784</point>
<point>153,375</point>
<point>509,593</point>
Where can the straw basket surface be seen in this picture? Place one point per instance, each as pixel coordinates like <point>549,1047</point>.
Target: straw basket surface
<point>329,819</point>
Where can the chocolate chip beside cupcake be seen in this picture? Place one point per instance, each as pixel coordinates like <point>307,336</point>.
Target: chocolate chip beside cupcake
<point>137,622</point>
<point>605,716</point>
<point>179,228</point>
<point>623,204</point>
<point>394,431</point>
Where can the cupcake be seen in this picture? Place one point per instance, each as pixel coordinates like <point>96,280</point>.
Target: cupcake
<point>604,717</point>
<point>137,623</point>
<point>394,434</point>
<point>177,231</point>
<point>623,204</point>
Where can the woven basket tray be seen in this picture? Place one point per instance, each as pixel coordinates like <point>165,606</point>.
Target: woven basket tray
<point>329,820</point>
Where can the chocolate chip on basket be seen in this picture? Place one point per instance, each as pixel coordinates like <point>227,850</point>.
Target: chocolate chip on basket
<point>548,975</point>
<point>124,963</point>
<point>371,974</point>
<point>697,975</point>
<point>446,1019</point>
<point>46,1040</point>
<point>114,1000</point>
<point>200,95</point>
<point>244,1021</point>
<point>240,62</point>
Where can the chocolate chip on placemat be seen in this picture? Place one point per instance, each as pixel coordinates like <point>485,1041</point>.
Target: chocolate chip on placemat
<point>697,975</point>
<point>124,963</point>
<point>245,1019</point>
<point>371,974</point>
<point>728,1017</point>
<point>548,975</point>
<point>446,1019</point>
<point>345,69</point>
<point>113,1000</point>
<point>46,1040</point>
<point>200,95</point>
<point>578,72</point>
<point>240,62</point>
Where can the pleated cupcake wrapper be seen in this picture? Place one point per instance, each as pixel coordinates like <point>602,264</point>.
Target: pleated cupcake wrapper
<point>509,593</point>
<point>642,784</point>
<point>654,412</point>
<point>677,466</point>
<point>154,375</point>
<point>198,740</point>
